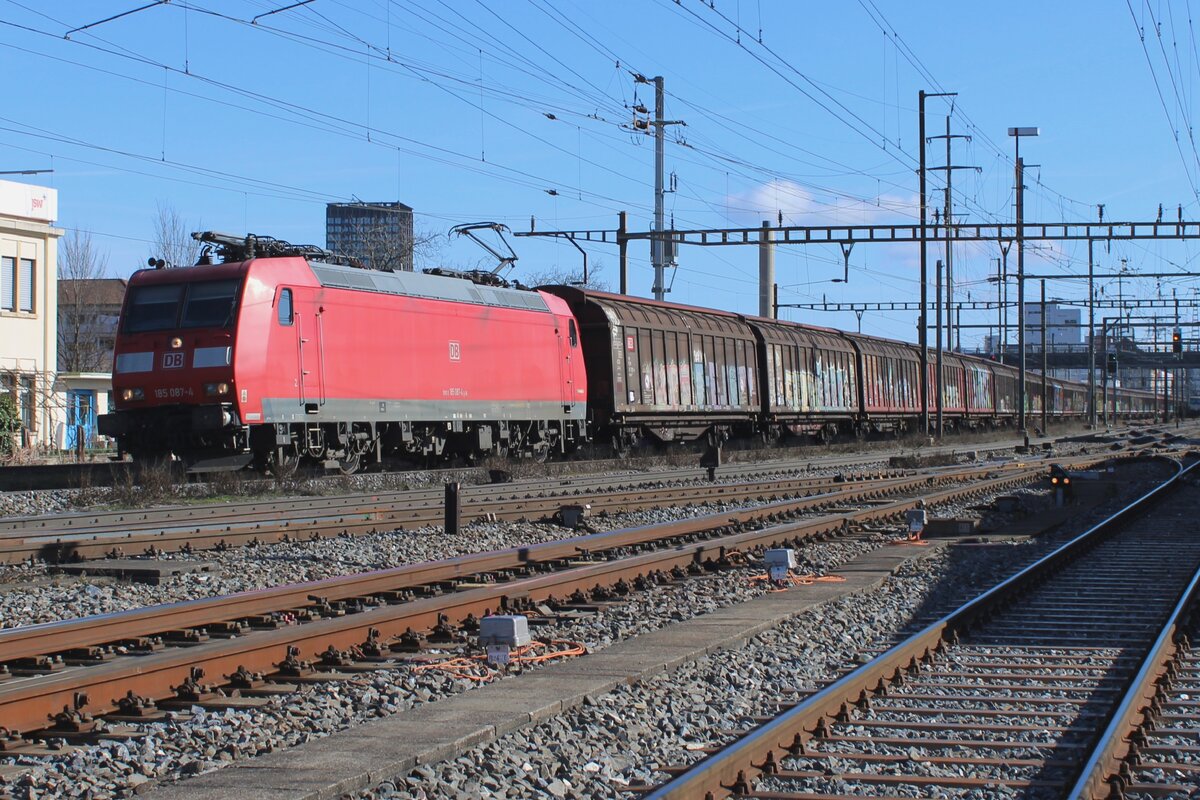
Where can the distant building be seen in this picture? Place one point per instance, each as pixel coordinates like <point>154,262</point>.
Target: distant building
<point>28,305</point>
<point>378,234</point>
<point>88,311</point>
<point>1062,324</point>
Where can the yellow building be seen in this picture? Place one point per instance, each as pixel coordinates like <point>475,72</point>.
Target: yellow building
<point>29,306</point>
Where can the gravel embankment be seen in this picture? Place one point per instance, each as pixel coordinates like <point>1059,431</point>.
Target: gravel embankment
<point>597,749</point>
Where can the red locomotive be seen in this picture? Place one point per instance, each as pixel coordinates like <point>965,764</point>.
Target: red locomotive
<point>283,353</point>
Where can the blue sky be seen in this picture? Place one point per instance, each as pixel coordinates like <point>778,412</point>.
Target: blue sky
<point>512,109</point>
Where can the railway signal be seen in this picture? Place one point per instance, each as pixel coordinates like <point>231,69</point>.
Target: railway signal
<point>1060,479</point>
<point>1177,341</point>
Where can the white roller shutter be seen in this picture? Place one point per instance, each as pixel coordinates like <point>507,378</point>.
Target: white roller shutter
<point>8,269</point>
<point>25,282</point>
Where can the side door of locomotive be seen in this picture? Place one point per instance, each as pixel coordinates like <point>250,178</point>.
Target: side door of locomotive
<point>310,366</point>
<point>570,350</point>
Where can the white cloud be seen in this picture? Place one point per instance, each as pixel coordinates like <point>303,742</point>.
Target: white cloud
<point>800,205</point>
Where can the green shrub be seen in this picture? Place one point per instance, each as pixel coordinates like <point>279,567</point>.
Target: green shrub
<point>10,422</point>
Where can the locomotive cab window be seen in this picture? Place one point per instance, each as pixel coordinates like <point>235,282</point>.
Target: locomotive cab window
<point>210,304</point>
<point>572,334</point>
<point>153,308</point>
<point>285,307</point>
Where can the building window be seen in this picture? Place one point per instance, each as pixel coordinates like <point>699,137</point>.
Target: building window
<point>8,283</point>
<point>28,419</point>
<point>25,284</point>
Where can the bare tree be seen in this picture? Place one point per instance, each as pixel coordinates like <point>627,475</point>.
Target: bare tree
<point>173,240</point>
<point>83,328</point>
<point>384,250</point>
<point>571,276</point>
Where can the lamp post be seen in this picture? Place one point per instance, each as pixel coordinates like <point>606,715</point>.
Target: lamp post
<point>1017,133</point>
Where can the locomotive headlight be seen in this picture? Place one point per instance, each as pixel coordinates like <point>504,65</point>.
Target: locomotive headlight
<point>133,394</point>
<point>176,343</point>
<point>216,389</point>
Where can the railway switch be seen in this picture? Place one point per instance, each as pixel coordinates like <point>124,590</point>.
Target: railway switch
<point>500,634</point>
<point>780,561</point>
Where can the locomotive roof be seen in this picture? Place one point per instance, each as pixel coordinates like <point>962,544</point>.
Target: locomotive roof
<point>432,287</point>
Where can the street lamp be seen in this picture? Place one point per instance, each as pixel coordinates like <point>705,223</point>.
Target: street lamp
<point>1017,133</point>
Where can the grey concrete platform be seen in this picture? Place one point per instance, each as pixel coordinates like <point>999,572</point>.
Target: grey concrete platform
<point>366,754</point>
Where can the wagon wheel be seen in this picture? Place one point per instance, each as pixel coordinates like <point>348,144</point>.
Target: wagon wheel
<point>621,447</point>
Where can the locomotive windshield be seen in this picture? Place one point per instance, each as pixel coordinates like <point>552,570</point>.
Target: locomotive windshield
<point>208,304</point>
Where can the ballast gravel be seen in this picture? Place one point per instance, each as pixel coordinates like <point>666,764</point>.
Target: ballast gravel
<point>600,749</point>
<point>32,593</point>
<point>594,751</point>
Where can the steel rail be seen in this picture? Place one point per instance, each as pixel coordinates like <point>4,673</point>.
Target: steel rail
<point>58,546</point>
<point>745,758</point>
<point>240,510</point>
<point>1102,771</point>
<point>308,507</point>
<point>25,702</point>
<point>14,478</point>
<point>31,640</point>
<point>210,511</point>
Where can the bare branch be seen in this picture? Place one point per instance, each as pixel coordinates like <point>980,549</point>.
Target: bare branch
<point>82,327</point>
<point>173,240</point>
<point>571,276</point>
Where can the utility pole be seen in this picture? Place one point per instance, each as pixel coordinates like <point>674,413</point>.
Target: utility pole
<point>938,360</point>
<point>1091,338</point>
<point>623,252</point>
<point>766,272</point>
<point>1017,133</point>
<point>1045,367</point>
<point>948,213</point>
<point>1004,248</point>
<point>923,326</point>
<point>1020,293</point>
<point>1176,383</point>
<point>999,307</point>
<point>658,249</point>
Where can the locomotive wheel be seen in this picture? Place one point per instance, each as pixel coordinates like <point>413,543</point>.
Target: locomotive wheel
<point>541,452</point>
<point>151,460</point>
<point>350,464</point>
<point>284,465</point>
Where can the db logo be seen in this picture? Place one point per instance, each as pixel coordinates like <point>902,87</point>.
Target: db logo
<point>455,351</point>
<point>172,360</point>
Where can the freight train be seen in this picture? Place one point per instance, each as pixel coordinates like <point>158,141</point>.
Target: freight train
<point>283,353</point>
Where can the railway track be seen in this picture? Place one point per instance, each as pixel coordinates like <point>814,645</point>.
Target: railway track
<point>77,537</point>
<point>162,653</point>
<point>40,477</point>
<point>1026,691</point>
